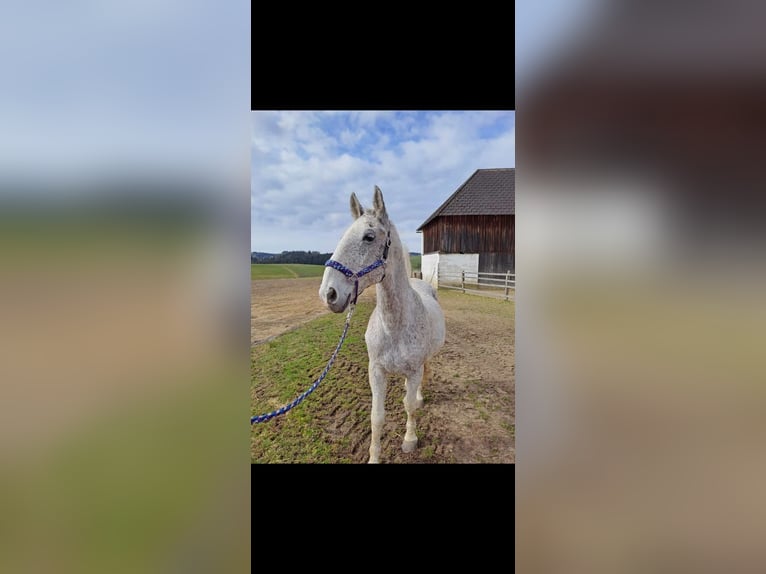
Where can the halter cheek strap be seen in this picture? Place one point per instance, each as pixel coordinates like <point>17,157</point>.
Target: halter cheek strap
<point>356,276</point>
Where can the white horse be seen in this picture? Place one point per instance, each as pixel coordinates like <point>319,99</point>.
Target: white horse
<point>406,327</point>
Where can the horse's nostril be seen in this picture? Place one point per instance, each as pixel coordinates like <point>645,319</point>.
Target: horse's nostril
<point>332,295</point>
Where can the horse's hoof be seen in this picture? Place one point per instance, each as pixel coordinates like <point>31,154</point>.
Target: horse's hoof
<point>409,445</point>
<point>372,461</point>
<point>418,403</point>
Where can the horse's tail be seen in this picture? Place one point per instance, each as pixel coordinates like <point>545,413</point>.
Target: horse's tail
<point>406,255</point>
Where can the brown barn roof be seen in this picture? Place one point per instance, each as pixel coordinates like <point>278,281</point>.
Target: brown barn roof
<point>486,192</point>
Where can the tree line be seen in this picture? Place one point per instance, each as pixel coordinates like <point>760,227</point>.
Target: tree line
<point>305,257</point>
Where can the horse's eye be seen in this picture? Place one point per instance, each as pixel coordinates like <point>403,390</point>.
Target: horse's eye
<point>369,237</point>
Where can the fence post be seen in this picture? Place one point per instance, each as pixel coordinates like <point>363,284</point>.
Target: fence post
<point>507,279</point>
<point>462,279</point>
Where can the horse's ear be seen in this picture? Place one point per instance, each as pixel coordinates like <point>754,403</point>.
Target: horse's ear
<point>356,207</point>
<point>379,206</point>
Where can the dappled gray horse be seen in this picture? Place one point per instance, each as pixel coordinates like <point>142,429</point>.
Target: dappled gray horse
<point>406,327</point>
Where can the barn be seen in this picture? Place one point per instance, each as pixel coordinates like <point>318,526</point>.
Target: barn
<point>473,230</point>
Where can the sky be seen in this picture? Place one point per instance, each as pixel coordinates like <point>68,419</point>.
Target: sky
<point>305,165</point>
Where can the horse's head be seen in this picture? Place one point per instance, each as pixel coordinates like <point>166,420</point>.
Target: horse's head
<point>359,259</point>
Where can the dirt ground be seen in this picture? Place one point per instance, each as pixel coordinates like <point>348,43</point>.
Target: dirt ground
<point>280,305</point>
<point>469,414</point>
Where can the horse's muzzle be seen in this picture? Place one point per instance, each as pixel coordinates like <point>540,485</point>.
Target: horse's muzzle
<point>334,300</point>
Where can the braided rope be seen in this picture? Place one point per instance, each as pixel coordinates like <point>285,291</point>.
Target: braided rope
<point>268,416</point>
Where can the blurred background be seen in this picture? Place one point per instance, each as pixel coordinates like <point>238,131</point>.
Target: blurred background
<point>124,287</point>
<point>641,320</point>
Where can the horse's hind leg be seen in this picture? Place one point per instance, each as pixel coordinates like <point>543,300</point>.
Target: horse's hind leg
<point>412,400</point>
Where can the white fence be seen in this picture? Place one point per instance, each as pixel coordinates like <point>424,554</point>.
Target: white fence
<point>500,285</point>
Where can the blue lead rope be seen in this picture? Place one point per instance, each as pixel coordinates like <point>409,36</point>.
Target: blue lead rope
<point>315,384</point>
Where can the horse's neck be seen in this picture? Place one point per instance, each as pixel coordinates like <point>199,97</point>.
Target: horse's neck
<point>394,293</point>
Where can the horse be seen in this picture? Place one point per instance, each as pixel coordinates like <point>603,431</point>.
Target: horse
<point>406,328</point>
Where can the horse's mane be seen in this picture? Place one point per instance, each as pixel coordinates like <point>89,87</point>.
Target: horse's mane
<point>405,254</point>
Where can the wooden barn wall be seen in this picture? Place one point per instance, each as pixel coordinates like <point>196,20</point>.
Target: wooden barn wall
<point>497,262</point>
<point>470,234</point>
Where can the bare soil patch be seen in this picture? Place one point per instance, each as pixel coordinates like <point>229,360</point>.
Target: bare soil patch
<point>280,305</point>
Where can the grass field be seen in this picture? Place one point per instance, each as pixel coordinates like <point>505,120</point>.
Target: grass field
<point>284,271</point>
<point>286,367</point>
<point>292,270</point>
<point>415,262</point>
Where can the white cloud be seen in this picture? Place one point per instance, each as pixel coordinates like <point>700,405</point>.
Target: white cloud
<point>366,119</point>
<point>349,138</point>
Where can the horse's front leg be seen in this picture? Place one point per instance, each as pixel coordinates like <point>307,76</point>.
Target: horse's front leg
<point>426,375</point>
<point>378,416</point>
<point>412,400</point>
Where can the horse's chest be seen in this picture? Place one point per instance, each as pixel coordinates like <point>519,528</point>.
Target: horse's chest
<point>400,353</point>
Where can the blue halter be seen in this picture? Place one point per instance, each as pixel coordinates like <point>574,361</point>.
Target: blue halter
<point>356,276</point>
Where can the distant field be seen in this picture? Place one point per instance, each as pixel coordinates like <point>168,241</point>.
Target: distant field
<point>284,271</point>
<point>292,270</point>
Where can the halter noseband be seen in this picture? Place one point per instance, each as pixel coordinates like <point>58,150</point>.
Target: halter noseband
<point>356,276</point>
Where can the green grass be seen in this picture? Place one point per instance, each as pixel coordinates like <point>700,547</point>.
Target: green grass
<point>293,270</point>
<point>285,367</point>
<point>284,270</point>
<point>478,304</point>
